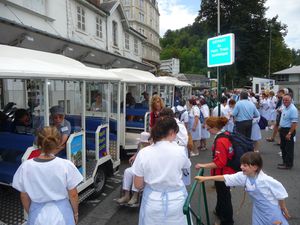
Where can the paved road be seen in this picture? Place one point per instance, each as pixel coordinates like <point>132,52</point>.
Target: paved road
<point>104,211</point>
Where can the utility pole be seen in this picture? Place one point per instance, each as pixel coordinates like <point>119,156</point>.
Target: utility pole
<point>270,50</point>
<point>218,68</point>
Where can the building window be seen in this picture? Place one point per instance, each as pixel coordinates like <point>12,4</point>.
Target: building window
<point>80,18</point>
<point>126,41</point>
<point>282,77</point>
<point>141,4</point>
<point>127,13</point>
<point>99,27</point>
<point>115,33</point>
<point>126,2</point>
<point>136,46</point>
<point>142,31</point>
<point>142,17</point>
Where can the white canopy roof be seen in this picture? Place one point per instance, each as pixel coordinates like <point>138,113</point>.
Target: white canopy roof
<point>25,63</point>
<point>138,76</point>
<point>175,81</point>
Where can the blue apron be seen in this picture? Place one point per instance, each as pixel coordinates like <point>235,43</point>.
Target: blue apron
<point>264,212</point>
<point>51,213</point>
<point>162,210</point>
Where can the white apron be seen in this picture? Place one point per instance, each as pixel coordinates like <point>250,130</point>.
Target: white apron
<point>163,207</point>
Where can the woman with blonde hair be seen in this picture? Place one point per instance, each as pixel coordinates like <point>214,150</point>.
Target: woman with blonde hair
<point>157,104</point>
<point>222,152</point>
<point>48,184</point>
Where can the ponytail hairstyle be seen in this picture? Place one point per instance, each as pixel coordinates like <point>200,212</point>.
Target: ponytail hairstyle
<point>48,139</point>
<point>216,122</point>
<point>162,128</point>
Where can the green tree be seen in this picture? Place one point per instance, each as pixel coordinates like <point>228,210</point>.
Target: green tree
<point>253,35</point>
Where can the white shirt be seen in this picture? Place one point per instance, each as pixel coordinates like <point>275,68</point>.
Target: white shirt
<point>205,110</point>
<point>47,181</point>
<point>271,189</point>
<point>195,111</point>
<point>182,135</point>
<point>160,165</point>
<point>184,116</point>
<point>223,111</point>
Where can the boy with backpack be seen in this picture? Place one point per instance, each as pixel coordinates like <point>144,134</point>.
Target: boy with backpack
<point>227,150</point>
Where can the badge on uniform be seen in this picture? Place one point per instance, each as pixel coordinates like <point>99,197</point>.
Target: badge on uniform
<point>63,129</point>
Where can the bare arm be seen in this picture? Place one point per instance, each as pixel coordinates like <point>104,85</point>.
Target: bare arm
<point>195,123</point>
<point>138,182</point>
<point>26,201</point>
<point>211,165</point>
<point>292,129</point>
<point>214,178</point>
<point>283,208</point>
<point>73,196</point>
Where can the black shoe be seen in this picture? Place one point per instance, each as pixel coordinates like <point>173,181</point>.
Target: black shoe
<point>280,164</point>
<point>284,167</point>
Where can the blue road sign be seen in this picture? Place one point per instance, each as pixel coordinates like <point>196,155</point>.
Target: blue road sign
<point>220,50</point>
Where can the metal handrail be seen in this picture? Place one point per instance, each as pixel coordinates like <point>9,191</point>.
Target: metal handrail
<point>188,211</point>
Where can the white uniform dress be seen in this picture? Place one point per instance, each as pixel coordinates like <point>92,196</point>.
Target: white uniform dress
<point>265,109</point>
<point>228,114</point>
<point>164,194</point>
<point>272,105</point>
<point>265,193</point>
<point>182,140</point>
<point>205,111</point>
<point>47,184</point>
<point>255,133</point>
<point>196,135</point>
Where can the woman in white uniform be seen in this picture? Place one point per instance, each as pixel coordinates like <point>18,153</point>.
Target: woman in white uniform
<point>158,168</point>
<point>255,133</point>
<point>48,184</point>
<point>264,106</point>
<point>194,126</point>
<point>267,194</point>
<point>204,132</point>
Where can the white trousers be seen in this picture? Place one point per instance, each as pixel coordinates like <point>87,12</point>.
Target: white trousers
<point>128,180</point>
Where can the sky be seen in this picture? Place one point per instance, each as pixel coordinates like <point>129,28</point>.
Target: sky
<point>175,14</point>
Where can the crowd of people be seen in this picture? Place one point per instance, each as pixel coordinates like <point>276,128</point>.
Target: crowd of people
<point>161,167</point>
<point>242,113</point>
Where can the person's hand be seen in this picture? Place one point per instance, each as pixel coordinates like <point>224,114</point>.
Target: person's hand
<point>131,160</point>
<point>285,212</point>
<point>200,178</point>
<point>76,218</point>
<point>199,166</point>
<point>194,129</point>
<point>288,136</point>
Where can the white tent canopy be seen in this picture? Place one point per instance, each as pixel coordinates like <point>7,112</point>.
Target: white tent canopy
<point>175,81</point>
<point>24,63</point>
<point>138,76</point>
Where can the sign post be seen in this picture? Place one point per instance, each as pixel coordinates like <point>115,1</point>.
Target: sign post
<point>220,52</point>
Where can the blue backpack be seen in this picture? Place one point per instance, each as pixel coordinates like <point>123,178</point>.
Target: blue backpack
<point>240,145</point>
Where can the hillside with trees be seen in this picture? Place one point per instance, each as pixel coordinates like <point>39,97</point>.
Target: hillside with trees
<point>253,35</point>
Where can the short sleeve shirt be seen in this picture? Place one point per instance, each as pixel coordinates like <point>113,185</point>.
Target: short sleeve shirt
<point>161,165</point>
<point>65,128</point>
<point>289,115</point>
<point>61,174</point>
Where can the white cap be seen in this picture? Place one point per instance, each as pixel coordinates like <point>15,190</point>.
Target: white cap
<point>144,137</point>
